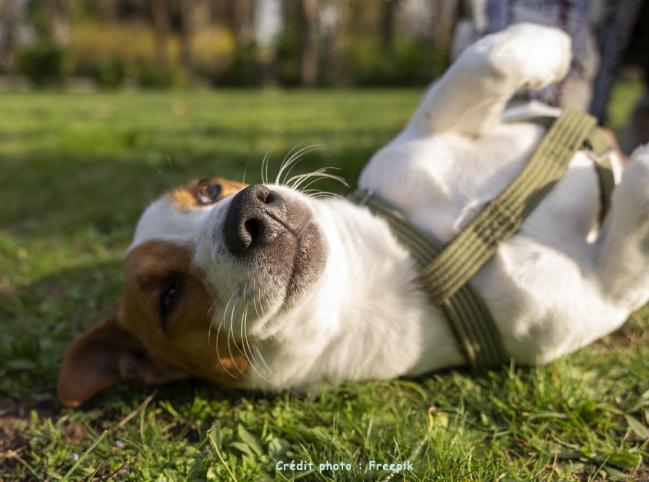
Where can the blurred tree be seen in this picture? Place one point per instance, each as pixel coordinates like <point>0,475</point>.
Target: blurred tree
<point>58,20</point>
<point>160,17</point>
<point>332,17</point>
<point>9,22</point>
<point>233,42</point>
<point>241,20</point>
<point>388,20</point>
<point>188,11</point>
<point>444,17</point>
<point>309,53</point>
<point>110,9</point>
<point>287,55</point>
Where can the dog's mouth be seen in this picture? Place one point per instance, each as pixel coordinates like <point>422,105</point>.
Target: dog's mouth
<point>273,237</point>
<point>308,260</point>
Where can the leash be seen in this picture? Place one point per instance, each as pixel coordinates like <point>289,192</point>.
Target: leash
<point>445,272</point>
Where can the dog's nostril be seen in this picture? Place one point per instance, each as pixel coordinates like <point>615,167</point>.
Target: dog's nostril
<point>266,196</point>
<point>256,217</point>
<point>254,228</point>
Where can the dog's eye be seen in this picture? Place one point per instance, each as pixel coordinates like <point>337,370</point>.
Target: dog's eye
<point>169,294</point>
<point>208,192</point>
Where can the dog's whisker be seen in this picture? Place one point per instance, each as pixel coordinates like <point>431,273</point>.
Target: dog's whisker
<point>210,314</point>
<point>317,192</point>
<point>264,168</point>
<point>246,346</point>
<point>218,331</point>
<point>255,305</point>
<point>244,317</point>
<point>231,336</point>
<point>245,169</point>
<point>254,355</point>
<point>216,348</point>
<point>244,320</point>
<point>298,157</point>
<point>318,176</point>
<point>313,180</point>
<point>286,166</point>
<point>286,159</point>
<point>245,289</point>
<point>221,324</point>
<point>295,181</point>
<point>250,354</point>
<point>238,343</point>
<point>324,195</point>
<point>259,353</point>
<point>295,158</point>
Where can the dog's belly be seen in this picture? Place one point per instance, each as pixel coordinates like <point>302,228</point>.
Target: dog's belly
<point>441,182</point>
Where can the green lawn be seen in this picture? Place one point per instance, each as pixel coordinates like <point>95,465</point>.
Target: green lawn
<point>76,171</point>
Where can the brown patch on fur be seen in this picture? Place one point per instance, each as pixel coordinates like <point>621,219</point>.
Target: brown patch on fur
<point>184,341</point>
<point>186,198</point>
<point>135,346</point>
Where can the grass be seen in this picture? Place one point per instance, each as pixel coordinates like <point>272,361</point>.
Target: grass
<point>76,171</point>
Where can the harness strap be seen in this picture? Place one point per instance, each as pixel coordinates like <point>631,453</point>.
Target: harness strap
<point>503,216</point>
<point>444,273</point>
<point>470,319</point>
<point>599,150</point>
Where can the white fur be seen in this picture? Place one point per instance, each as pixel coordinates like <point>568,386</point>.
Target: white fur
<point>555,287</point>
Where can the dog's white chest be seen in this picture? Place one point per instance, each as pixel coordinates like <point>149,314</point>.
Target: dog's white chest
<point>441,182</point>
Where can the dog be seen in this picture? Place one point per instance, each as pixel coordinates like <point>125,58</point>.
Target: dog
<point>265,287</point>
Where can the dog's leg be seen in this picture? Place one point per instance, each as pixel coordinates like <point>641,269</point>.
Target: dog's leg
<point>623,255</point>
<point>471,96</point>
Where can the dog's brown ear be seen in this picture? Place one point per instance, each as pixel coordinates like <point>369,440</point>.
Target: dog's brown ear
<point>101,357</point>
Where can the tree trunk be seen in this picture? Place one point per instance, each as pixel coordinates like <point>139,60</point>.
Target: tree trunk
<point>58,14</point>
<point>8,20</point>
<point>388,17</point>
<point>160,17</point>
<point>110,9</point>
<point>332,20</point>
<point>445,16</point>
<point>241,19</point>
<point>187,27</point>
<point>309,57</point>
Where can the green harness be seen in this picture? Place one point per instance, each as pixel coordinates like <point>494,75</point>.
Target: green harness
<point>444,272</point>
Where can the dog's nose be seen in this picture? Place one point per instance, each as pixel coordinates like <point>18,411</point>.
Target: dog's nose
<point>257,216</point>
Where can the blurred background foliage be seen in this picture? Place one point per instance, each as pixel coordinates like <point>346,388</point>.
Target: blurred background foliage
<point>245,43</point>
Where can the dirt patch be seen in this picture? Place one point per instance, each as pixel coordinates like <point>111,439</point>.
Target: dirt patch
<point>22,407</point>
<point>635,331</point>
<point>641,473</point>
<point>11,434</point>
<point>13,419</point>
<point>12,440</point>
<point>14,414</point>
<point>74,432</point>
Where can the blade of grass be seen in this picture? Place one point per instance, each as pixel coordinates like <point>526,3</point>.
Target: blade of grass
<point>218,454</point>
<point>84,455</point>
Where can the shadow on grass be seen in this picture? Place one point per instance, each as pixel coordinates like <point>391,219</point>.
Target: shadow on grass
<point>41,319</point>
<point>66,196</point>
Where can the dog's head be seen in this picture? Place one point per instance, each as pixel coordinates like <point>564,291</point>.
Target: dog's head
<point>214,267</point>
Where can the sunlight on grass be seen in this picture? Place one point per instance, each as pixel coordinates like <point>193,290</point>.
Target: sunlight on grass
<point>76,172</point>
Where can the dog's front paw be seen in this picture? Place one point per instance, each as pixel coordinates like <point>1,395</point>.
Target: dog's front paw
<point>531,55</point>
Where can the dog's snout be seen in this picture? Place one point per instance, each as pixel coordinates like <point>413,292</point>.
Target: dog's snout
<point>257,216</point>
